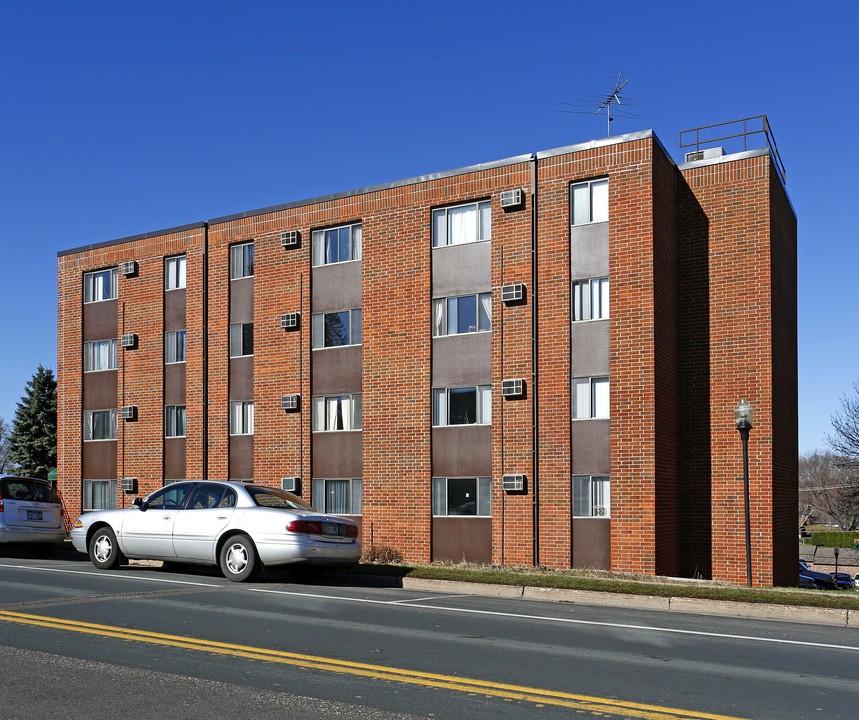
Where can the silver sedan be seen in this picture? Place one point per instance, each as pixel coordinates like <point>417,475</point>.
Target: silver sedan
<point>236,526</point>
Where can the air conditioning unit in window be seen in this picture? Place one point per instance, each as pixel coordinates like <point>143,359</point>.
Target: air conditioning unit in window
<point>512,388</point>
<point>513,294</point>
<point>511,199</point>
<point>128,341</point>
<point>290,321</point>
<point>290,239</point>
<point>600,511</point>
<point>128,268</point>
<point>290,403</point>
<point>291,484</point>
<point>128,485</point>
<point>513,483</point>
<point>128,412</point>
<point>705,154</point>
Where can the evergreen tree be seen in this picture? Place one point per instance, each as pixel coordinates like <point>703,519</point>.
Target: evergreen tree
<point>33,442</point>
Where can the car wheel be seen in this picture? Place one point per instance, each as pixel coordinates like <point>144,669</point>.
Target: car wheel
<point>103,549</point>
<point>238,558</point>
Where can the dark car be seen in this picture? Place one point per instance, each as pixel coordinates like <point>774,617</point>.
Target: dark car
<point>842,580</point>
<point>821,580</point>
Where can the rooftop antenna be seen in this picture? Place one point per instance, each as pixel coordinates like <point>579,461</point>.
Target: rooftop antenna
<point>597,102</point>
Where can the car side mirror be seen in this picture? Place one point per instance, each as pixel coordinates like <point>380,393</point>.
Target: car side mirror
<point>138,503</point>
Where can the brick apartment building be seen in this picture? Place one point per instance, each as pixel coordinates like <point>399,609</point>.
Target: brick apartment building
<point>529,361</point>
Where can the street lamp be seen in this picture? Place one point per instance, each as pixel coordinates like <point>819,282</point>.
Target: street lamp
<point>743,415</point>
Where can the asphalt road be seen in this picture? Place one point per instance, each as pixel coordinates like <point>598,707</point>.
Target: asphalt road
<point>191,644</point>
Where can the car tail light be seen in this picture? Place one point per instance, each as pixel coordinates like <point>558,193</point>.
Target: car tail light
<point>311,527</point>
<point>351,531</point>
<point>1,504</point>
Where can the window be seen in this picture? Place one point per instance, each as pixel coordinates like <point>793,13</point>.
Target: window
<point>242,417</point>
<point>336,412</point>
<point>462,406</point>
<point>336,245</point>
<point>174,421</point>
<point>462,224</point>
<point>335,329</point>
<point>589,202</point>
<point>338,497</point>
<point>590,398</point>
<point>591,496</point>
<point>100,355</point>
<point>174,346</point>
<point>99,494</point>
<point>241,339</point>
<point>212,496</point>
<point>168,498</point>
<point>174,272</point>
<point>241,261</point>
<point>100,425</point>
<point>462,496</point>
<point>590,299</point>
<point>100,285</point>
<point>465,314</point>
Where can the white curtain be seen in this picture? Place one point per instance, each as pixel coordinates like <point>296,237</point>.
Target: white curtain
<point>337,496</point>
<point>599,201</point>
<point>485,322</point>
<point>601,398</point>
<point>439,228</point>
<point>581,204</point>
<point>438,327</point>
<point>318,250</point>
<point>582,399</point>
<point>462,225</point>
<point>439,407</point>
<point>485,221</point>
<point>356,242</point>
<point>180,275</point>
<point>485,400</point>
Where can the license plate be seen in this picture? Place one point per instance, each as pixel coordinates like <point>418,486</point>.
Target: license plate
<point>329,528</point>
<point>34,514</point>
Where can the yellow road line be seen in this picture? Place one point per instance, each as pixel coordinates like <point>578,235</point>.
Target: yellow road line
<point>586,703</point>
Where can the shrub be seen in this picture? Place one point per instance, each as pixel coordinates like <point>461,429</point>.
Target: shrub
<point>834,538</point>
<point>381,555</point>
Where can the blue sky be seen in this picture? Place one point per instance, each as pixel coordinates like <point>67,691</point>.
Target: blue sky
<point>118,118</point>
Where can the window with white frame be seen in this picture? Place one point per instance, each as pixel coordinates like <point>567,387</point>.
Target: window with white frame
<point>100,285</point>
<point>174,346</point>
<point>590,398</point>
<point>338,496</point>
<point>241,261</point>
<point>590,299</point>
<point>462,496</point>
<point>100,355</point>
<point>174,272</point>
<point>589,202</point>
<point>463,314</point>
<point>336,245</point>
<point>336,412</point>
<point>335,329</point>
<point>241,339</point>
<point>174,421</point>
<point>591,496</point>
<point>461,224</point>
<point>462,406</point>
<point>100,425</point>
<point>242,417</point>
<point>99,494</point>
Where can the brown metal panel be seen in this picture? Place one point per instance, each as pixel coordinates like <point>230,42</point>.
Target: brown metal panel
<point>461,269</point>
<point>100,390</point>
<point>174,384</point>
<point>590,348</point>
<point>591,447</point>
<point>462,539</point>
<point>174,309</point>
<point>592,543</point>
<point>336,287</point>
<point>589,251</point>
<point>462,451</point>
<point>242,378</point>
<point>174,458</point>
<point>241,457</point>
<point>461,360</point>
<point>100,320</point>
<point>336,370</point>
<point>337,454</point>
<point>242,300</point>
<point>99,460</point>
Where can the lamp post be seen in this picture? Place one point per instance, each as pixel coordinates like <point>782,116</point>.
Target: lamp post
<point>743,416</point>
<point>836,565</point>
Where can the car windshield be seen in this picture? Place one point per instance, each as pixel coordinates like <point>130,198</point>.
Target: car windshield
<point>273,498</point>
<point>27,490</point>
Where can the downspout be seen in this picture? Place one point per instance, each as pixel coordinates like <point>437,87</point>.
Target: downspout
<point>535,423</point>
<point>204,453</point>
